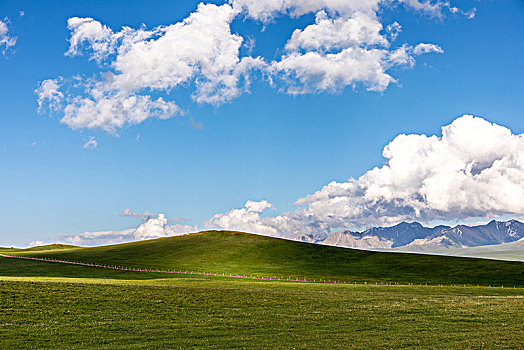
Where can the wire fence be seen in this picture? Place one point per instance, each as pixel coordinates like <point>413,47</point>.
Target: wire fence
<point>130,269</point>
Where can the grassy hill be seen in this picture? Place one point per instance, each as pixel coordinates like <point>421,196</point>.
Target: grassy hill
<point>242,253</point>
<point>52,305</point>
<point>38,249</point>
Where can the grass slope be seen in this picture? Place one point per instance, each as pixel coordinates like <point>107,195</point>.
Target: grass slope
<point>47,305</point>
<point>39,248</point>
<point>242,253</point>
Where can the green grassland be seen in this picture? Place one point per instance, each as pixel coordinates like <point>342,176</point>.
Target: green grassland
<point>242,253</point>
<point>228,314</point>
<point>46,305</point>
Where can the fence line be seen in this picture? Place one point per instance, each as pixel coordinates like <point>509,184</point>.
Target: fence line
<point>167,271</point>
<point>206,273</point>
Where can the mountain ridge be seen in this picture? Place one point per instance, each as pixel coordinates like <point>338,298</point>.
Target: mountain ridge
<point>413,236</point>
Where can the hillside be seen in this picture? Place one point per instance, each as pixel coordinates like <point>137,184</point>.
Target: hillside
<point>242,253</point>
<point>40,248</point>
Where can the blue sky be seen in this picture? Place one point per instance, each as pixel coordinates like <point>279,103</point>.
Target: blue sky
<point>262,145</point>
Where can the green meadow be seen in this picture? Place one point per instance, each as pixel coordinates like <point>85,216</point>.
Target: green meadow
<point>46,305</point>
<point>248,254</point>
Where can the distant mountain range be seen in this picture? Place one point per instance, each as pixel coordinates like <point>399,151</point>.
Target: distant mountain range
<point>413,237</point>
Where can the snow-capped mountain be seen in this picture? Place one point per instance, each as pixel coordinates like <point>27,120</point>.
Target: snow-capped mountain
<point>403,233</point>
<point>415,237</point>
<point>495,232</point>
<point>350,239</point>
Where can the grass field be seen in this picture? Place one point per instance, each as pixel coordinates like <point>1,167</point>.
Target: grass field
<point>50,305</point>
<point>242,253</point>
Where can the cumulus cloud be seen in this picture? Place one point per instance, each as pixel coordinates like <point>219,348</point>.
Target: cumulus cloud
<point>346,46</point>
<point>334,53</point>
<point>267,10</point>
<point>315,72</point>
<point>427,48</point>
<point>250,219</point>
<point>246,219</point>
<point>88,103</point>
<point>154,227</point>
<point>475,169</point>
<point>141,69</point>
<point>328,33</point>
<point>7,41</point>
<point>109,110</point>
<point>142,64</point>
<point>99,39</point>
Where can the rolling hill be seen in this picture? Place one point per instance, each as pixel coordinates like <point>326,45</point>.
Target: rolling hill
<point>79,307</point>
<point>243,253</point>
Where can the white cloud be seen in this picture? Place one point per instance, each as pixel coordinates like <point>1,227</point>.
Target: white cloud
<point>36,243</point>
<point>344,50</point>
<point>49,94</point>
<point>246,219</point>
<point>109,110</point>
<point>249,219</point>
<point>199,51</point>
<point>475,169</point>
<point>6,40</point>
<point>437,8</point>
<point>316,72</point>
<point>393,30</point>
<point>91,143</point>
<point>100,38</point>
<point>153,228</point>
<point>97,107</point>
<point>328,33</point>
<point>266,11</point>
<point>141,69</point>
<point>257,207</point>
<point>202,46</point>
<point>427,48</point>
<point>344,47</point>
<point>433,8</point>
<point>404,55</point>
